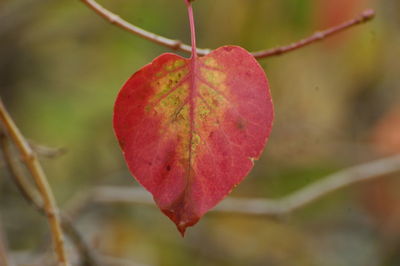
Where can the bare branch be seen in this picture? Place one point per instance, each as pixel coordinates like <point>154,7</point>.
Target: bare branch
<point>365,16</point>
<point>118,21</point>
<point>259,207</point>
<point>33,197</point>
<point>5,260</point>
<point>87,257</point>
<point>45,151</point>
<point>114,19</point>
<point>30,195</point>
<point>34,167</point>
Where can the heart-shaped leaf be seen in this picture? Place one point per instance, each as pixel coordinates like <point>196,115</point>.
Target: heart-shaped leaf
<point>191,128</point>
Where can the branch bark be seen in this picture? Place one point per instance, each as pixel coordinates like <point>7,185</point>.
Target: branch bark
<point>45,151</point>
<point>34,167</point>
<point>32,197</point>
<point>119,22</point>
<point>116,20</point>
<point>4,257</point>
<point>365,16</point>
<point>258,207</point>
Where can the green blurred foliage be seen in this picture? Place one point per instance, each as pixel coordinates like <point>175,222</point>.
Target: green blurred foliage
<point>61,67</point>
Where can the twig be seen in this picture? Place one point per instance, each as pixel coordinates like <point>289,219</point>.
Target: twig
<point>39,177</point>
<point>365,16</point>
<point>32,197</point>
<point>178,45</point>
<point>45,151</point>
<point>4,258</point>
<point>260,207</point>
<point>87,257</point>
<point>356,174</point>
<point>118,21</point>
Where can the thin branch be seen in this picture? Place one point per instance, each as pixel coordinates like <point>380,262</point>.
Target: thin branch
<point>4,258</point>
<point>23,185</point>
<point>40,179</point>
<point>32,197</point>
<point>344,178</point>
<point>116,20</point>
<point>365,16</point>
<point>45,151</point>
<point>258,207</point>
<point>87,257</point>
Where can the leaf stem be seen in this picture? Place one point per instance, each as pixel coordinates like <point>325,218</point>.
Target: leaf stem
<point>192,27</point>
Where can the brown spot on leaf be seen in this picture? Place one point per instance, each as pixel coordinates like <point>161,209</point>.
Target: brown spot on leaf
<point>241,124</point>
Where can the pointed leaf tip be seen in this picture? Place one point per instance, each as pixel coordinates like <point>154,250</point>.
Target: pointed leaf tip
<point>182,229</point>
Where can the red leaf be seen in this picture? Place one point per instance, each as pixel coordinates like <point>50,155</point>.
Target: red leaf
<point>191,128</point>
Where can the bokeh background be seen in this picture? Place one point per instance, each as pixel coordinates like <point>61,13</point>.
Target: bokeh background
<point>337,105</point>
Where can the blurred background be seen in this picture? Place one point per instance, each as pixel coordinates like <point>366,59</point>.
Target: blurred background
<point>337,105</point>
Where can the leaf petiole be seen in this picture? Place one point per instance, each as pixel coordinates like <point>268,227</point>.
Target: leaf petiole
<point>192,27</point>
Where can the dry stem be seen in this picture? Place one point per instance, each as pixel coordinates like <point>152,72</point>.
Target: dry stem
<point>365,16</point>
<point>4,258</point>
<point>40,179</point>
<point>114,19</point>
<point>258,207</point>
<point>33,198</point>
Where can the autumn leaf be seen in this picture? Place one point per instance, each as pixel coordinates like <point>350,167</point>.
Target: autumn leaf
<point>190,129</point>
